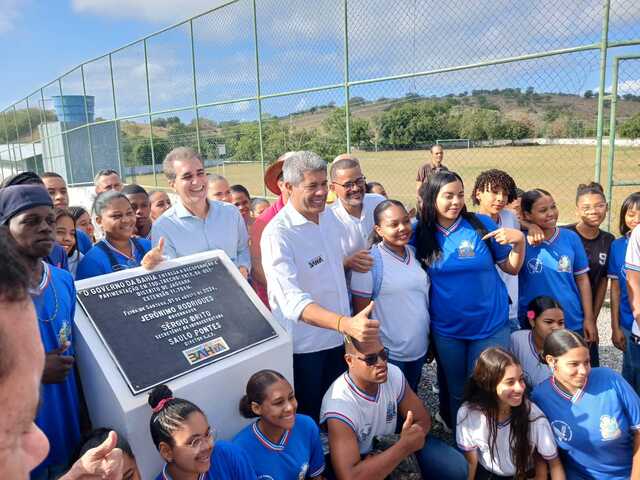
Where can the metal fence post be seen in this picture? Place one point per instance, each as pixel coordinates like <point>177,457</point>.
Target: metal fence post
<point>258,93</point>
<point>604,45</point>
<point>153,155</point>
<point>15,123</point>
<point>45,121</point>
<point>116,123</point>
<point>346,76</point>
<point>195,87</point>
<point>33,144</point>
<point>86,118</point>
<point>6,134</point>
<point>612,133</point>
<point>65,139</point>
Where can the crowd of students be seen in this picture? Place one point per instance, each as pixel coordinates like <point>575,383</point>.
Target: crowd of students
<point>370,290</point>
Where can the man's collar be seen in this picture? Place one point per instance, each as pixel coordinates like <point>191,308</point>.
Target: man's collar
<point>182,211</point>
<point>296,217</point>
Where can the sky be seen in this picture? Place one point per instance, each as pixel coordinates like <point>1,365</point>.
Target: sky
<point>301,46</point>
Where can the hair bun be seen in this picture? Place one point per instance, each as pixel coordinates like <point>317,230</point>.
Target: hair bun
<point>159,393</point>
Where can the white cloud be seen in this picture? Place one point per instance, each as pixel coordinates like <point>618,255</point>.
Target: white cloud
<point>629,86</point>
<point>10,11</point>
<point>166,11</point>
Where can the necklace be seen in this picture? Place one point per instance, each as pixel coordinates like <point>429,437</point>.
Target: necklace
<point>44,283</point>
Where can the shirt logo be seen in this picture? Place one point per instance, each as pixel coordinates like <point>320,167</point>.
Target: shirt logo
<point>466,249</point>
<point>391,411</point>
<point>364,433</point>
<point>564,264</point>
<point>534,265</point>
<point>315,261</point>
<point>562,431</point>
<point>64,334</point>
<point>602,258</point>
<point>609,428</point>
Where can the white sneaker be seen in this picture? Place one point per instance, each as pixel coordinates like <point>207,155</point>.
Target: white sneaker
<point>441,421</point>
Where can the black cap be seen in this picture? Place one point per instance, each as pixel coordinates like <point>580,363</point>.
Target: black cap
<point>18,198</point>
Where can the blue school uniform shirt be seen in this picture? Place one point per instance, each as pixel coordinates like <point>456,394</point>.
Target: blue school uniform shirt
<point>58,414</point>
<point>96,261</point>
<point>228,462</point>
<point>550,269</point>
<point>297,455</point>
<point>618,271</point>
<point>58,257</point>
<point>594,429</point>
<point>84,243</point>
<point>468,299</point>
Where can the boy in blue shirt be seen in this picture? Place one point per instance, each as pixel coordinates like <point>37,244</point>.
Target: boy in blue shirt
<point>27,211</point>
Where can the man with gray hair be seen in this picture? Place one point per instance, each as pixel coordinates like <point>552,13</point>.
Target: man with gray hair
<point>106,180</point>
<point>195,224</point>
<point>354,210</point>
<point>302,261</point>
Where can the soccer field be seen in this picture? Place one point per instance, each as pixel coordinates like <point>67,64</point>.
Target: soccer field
<point>557,168</point>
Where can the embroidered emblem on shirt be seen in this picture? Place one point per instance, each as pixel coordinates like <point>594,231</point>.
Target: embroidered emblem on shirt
<point>315,261</point>
<point>391,411</point>
<point>564,264</point>
<point>534,265</point>
<point>303,471</point>
<point>364,433</point>
<point>466,249</point>
<point>609,428</point>
<point>562,430</point>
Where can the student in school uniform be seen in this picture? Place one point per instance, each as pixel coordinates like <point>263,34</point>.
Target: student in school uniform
<point>591,209</point>
<point>493,191</point>
<point>468,302</point>
<point>281,443</point>
<point>67,237</point>
<point>186,442</point>
<point>139,199</point>
<point>594,413</point>
<point>119,249</point>
<point>27,211</point>
<point>396,279</point>
<point>556,267</point>
<point>502,434</point>
<point>545,316</point>
<point>625,333</point>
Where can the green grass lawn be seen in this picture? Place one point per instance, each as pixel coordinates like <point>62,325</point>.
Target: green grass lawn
<point>557,168</point>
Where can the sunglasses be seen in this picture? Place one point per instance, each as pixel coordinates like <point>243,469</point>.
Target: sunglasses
<point>372,358</point>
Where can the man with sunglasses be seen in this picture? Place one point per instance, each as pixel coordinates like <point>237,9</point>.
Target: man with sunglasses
<point>363,404</point>
<point>354,210</point>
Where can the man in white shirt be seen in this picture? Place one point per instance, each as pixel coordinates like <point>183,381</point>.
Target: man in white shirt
<point>302,262</point>
<point>195,224</point>
<point>353,208</point>
<point>632,267</point>
<point>364,403</point>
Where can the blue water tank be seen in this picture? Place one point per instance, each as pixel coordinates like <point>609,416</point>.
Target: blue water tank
<point>70,108</point>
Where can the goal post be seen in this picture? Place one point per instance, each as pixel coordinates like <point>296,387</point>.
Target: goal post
<point>449,143</point>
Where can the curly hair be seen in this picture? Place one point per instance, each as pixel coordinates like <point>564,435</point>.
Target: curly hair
<point>494,179</point>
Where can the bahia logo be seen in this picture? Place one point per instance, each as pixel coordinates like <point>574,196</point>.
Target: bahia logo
<point>205,350</point>
<point>314,262</point>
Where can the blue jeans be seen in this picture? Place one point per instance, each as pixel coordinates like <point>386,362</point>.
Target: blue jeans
<point>439,461</point>
<point>457,358</point>
<point>631,362</point>
<point>412,371</point>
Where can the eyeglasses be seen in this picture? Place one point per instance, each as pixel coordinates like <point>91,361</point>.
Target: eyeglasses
<point>358,182</point>
<point>372,358</point>
<point>597,207</point>
<point>204,441</point>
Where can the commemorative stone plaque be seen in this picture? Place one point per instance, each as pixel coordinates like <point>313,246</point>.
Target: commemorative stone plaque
<point>161,325</point>
<point>194,323</point>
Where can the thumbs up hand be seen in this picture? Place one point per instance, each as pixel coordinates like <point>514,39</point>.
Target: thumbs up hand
<point>154,257</point>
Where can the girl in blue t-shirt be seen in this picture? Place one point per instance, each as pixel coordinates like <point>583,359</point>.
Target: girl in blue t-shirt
<point>468,301</point>
<point>556,267</point>
<point>280,444</point>
<point>622,320</point>
<point>594,413</point>
<point>119,249</point>
<point>186,441</point>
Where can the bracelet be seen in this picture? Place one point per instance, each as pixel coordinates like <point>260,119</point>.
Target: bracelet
<point>339,320</point>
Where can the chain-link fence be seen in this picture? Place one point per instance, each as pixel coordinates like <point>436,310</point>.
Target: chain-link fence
<point>514,85</point>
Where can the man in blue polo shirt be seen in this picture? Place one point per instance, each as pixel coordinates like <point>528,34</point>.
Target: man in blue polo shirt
<point>27,211</point>
<point>195,224</point>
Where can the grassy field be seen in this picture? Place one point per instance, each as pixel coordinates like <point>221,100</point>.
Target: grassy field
<point>556,168</point>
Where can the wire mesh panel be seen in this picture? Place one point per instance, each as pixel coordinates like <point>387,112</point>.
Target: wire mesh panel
<point>130,80</point>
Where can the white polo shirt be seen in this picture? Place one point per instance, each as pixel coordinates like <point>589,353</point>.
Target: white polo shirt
<point>524,348</point>
<point>507,219</point>
<point>302,262</point>
<point>632,262</point>
<point>405,286</point>
<point>356,230</point>
<point>367,415</point>
<point>472,433</point>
